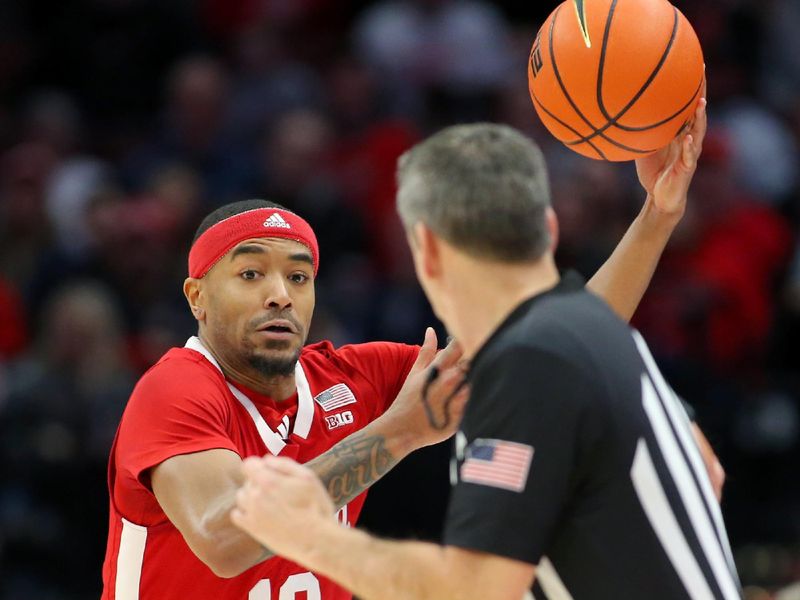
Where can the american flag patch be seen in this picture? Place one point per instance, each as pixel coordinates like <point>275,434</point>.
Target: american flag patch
<point>497,463</point>
<point>335,397</point>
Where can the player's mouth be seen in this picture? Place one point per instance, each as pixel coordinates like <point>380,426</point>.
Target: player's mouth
<point>277,329</point>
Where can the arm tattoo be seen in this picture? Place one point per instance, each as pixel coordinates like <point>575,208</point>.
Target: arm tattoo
<point>353,465</point>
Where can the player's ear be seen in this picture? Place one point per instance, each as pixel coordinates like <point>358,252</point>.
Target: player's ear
<point>428,250</point>
<point>193,292</point>
<point>552,228</point>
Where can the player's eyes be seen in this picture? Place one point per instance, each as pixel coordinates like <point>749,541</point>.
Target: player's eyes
<point>249,274</point>
<point>298,277</point>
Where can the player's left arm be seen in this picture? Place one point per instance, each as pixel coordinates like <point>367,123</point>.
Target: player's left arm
<point>362,458</point>
<point>281,493</point>
<point>665,176</point>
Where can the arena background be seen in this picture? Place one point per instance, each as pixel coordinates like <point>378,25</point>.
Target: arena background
<point>122,122</point>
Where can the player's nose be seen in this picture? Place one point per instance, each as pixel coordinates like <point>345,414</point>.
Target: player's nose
<point>277,293</point>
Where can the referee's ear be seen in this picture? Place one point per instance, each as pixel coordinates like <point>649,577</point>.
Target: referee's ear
<point>428,249</point>
<point>552,227</point>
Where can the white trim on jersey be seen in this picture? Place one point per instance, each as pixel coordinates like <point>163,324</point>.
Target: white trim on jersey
<point>680,471</point>
<point>271,439</point>
<point>665,525</point>
<point>305,409</point>
<point>551,582</point>
<point>129,561</point>
<point>678,415</point>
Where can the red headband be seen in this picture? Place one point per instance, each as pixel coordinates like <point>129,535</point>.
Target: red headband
<point>217,240</point>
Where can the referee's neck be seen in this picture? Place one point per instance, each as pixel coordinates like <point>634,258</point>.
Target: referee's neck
<point>483,294</point>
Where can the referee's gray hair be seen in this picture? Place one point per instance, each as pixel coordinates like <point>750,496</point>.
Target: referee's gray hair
<point>481,187</point>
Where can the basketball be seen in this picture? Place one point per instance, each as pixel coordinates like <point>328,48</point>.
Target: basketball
<point>615,79</point>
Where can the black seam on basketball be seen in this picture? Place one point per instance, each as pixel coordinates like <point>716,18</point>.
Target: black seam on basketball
<point>614,121</point>
<point>572,102</point>
<point>566,125</point>
<point>557,73</point>
<point>602,62</point>
<point>668,119</point>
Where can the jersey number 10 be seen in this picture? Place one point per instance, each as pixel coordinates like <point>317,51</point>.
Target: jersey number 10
<point>294,584</point>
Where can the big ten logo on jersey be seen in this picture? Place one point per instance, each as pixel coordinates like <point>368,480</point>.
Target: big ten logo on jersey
<point>536,55</point>
<point>339,419</point>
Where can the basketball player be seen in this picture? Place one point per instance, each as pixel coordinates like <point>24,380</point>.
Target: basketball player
<point>574,465</point>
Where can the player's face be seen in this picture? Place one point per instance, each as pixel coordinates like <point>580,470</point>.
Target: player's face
<point>259,302</point>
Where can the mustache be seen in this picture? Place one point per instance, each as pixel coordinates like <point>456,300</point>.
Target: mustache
<point>273,315</point>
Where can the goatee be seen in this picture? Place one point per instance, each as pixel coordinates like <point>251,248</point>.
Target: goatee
<point>274,367</point>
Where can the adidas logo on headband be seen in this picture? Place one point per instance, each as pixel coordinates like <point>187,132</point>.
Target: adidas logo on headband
<point>276,221</point>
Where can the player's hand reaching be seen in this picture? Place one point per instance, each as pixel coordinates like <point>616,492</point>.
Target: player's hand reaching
<point>431,402</point>
<point>666,175</point>
<point>278,494</point>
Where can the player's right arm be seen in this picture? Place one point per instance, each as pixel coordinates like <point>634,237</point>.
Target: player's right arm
<point>665,176</point>
<point>197,490</point>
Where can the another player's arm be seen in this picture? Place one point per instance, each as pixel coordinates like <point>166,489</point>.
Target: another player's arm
<point>197,491</point>
<point>377,569</point>
<point>372,568</point>
<point>665,176</point>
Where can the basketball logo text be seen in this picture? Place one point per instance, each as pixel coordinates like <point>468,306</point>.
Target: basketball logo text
<point>536,56</point>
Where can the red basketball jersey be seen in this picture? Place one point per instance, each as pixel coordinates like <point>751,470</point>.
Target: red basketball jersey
<point>184,404</point>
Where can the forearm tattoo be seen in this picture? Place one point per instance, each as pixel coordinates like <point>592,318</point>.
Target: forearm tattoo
<point>353,465</point>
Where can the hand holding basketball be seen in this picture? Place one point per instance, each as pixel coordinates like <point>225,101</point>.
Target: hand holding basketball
<point>666,175</point>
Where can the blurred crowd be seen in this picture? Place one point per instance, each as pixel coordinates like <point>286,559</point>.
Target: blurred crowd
<point>123,122</point>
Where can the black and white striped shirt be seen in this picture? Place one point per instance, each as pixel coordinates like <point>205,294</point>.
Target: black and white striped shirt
<point>576,455</point>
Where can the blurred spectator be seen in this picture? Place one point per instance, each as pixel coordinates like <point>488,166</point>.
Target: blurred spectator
<point>24,227</point>
<point>710,303</point>
<point>53,120</point>
<point>268,82</point>
<point>58,417</point>
<point>460,45</point>
<point>369,141</point>
<point>195,133</point>
<point>764,152</point>
<point>69,192</point>
<point>781,54</point>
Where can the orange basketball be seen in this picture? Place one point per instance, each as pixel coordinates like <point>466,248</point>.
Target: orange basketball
<point>615,79</point>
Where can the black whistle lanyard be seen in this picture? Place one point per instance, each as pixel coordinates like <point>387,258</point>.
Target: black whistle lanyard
<point>433,374</point>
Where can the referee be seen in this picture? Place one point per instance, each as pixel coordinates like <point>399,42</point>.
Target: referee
<point>575,473</point>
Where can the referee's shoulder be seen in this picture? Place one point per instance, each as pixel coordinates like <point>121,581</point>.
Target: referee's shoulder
<point>574,329</point>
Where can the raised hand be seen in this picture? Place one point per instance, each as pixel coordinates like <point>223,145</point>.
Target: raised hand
<point>666,174</point>
<point>432,400</point>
